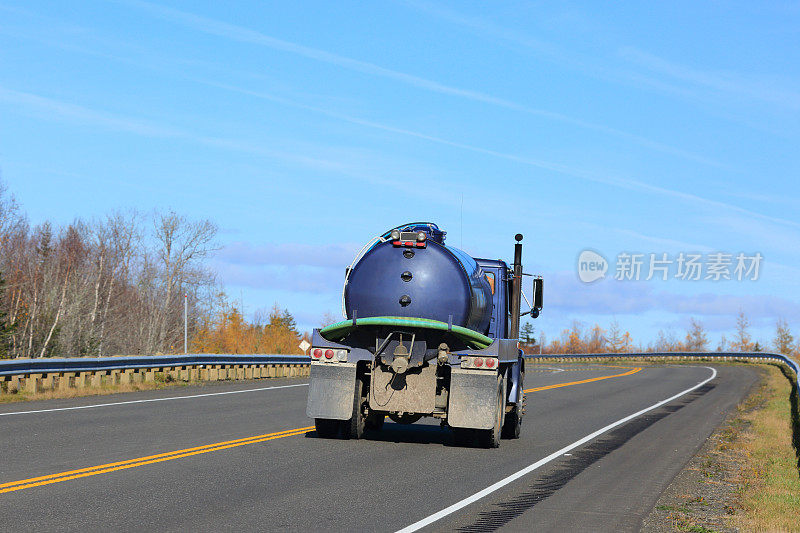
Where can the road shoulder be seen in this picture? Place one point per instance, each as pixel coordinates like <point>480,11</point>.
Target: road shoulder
<point>741,477</point>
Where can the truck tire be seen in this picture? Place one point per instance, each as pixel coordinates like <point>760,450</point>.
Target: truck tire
<point>326,428</point>
<point>513,424</point>
<point>354,428</point>
<point>490,438</point>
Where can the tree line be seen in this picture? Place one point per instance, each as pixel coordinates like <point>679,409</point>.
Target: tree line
<point>117,285</point>
<point>114,285</point>
<point>580,339</point>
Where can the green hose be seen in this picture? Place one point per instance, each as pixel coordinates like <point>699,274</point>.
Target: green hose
<point>471,338</point>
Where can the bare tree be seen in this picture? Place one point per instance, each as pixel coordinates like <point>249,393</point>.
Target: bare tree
<point>182,245</point>
<point>108,286</point>
<point>742,341</point>
<point>696,338</point>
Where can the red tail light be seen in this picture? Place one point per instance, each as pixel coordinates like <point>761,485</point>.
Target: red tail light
<point>489,363</point>
<point>317,353</point>
<point>477,362</point>
<point>328,354</point>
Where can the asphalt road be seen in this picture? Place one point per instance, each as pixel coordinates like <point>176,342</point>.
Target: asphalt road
<point>159,465</point>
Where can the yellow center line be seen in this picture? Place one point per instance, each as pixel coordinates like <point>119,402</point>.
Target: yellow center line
<point>187,452</point>
<point>141,461</point>
<point>557,385</point>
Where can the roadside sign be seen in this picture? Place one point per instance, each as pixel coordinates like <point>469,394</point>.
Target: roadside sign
<point>304,345</point>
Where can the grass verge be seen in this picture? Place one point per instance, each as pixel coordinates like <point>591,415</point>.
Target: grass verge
<point>161,382</point>
<point>769,481</point>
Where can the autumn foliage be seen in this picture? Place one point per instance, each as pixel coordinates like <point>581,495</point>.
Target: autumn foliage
<point>227,331</point>
<point>579,338</point>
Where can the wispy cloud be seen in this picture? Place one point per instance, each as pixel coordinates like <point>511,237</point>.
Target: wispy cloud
<point>288,254</point>
<point>49,108</point>
<point>722,82</point>
<point>640,69</point>
<point>624,183</point>
<point>292,267</point>
<point>567,295</point>
<point>348,162</point>
<point>296,280</point>
<point>246,35</point>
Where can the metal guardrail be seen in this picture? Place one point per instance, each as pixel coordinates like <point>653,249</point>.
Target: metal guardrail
<point>748,357</point>
<point>13,367</point>
<point>729,356</point>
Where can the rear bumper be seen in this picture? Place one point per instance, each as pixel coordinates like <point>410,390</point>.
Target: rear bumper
<point>331,391</point>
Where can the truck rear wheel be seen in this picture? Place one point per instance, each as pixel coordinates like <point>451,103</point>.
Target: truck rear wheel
<point>354,428</point>
<point>490,438</point>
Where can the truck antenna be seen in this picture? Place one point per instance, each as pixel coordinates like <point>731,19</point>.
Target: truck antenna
<point>462,221</point>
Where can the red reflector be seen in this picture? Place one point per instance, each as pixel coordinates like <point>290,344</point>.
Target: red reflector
<point>317,353</point>
<point>421,244</point>
<point>489,363</point>
<point>328,354</point>
<point>477,361</point>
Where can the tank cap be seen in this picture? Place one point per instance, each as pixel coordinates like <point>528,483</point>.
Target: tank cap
<point>405,300</point>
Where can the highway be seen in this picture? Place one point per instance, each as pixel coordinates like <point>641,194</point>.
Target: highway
<point>599,444</point>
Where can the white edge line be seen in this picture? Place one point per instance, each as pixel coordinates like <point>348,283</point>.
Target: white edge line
<point>152,400</point>
<point>555,455</point>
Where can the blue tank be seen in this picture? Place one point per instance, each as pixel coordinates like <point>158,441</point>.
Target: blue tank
<point>413,274</point>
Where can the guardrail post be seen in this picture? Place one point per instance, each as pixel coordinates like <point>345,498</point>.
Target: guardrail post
<point>48,382</point>
<point>33,383</point>
<point>97,379</point>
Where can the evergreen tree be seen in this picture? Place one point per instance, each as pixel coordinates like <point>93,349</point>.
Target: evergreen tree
<point>528,334</point>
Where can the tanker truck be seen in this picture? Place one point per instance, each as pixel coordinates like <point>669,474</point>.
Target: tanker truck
<point>429,332</point>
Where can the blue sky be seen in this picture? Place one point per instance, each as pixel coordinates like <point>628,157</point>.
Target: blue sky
<point>303,129</point>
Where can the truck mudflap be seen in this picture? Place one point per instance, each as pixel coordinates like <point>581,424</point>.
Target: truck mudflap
<point>473,399</point>
<point>331,391</point>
